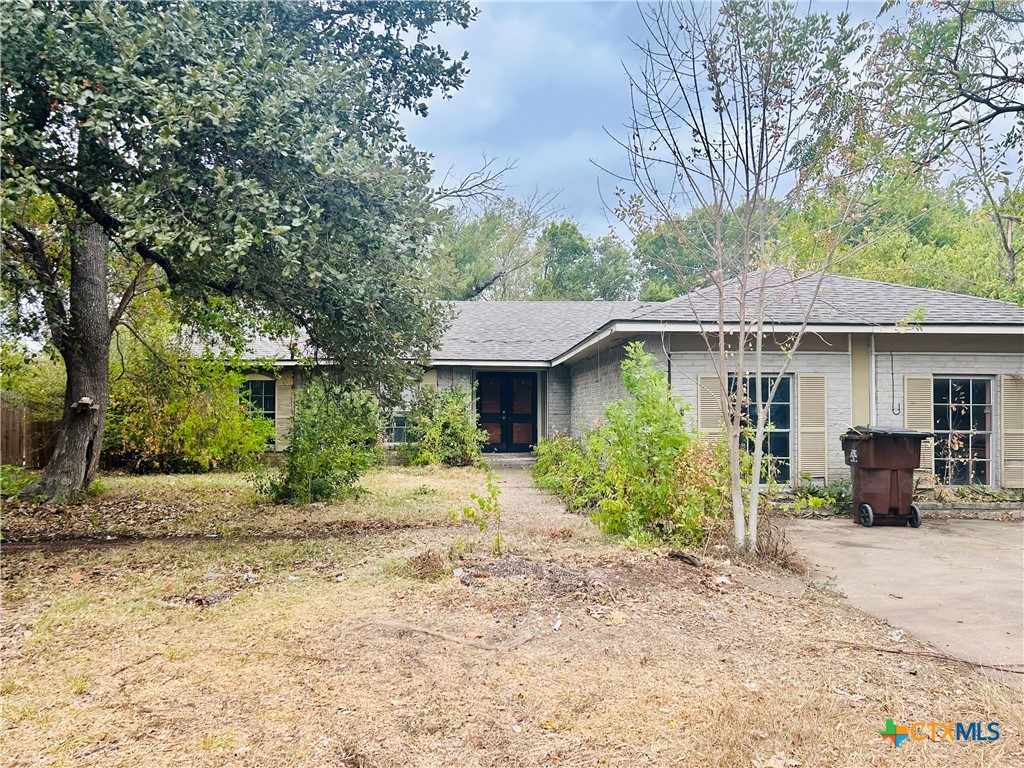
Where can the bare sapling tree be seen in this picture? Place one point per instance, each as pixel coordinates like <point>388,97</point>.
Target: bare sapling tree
<point>992,172</point>
<point>744,120</point>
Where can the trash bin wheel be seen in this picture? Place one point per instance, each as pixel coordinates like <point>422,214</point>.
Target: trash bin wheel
<point>866,515</point>
<point>915,517</point>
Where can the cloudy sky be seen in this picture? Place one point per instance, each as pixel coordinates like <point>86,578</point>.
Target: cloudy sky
<point>546,82</point>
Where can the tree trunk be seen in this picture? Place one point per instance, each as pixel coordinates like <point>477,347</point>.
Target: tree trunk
<point>755,479</point>
<point>736,487</point>
<point>85,346</point>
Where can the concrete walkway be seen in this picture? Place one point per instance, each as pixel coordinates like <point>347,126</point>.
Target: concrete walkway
<point>956,584</point>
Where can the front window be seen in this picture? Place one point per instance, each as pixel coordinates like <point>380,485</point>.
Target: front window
<point>963,430</point>
<point>397,428</point>
<point>262,396</point>
<point>777,444</point>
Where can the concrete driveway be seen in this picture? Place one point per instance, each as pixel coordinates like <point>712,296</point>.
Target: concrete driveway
<point>955,584</point>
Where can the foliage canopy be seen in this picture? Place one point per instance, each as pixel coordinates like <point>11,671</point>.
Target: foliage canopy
<point>249,155</point>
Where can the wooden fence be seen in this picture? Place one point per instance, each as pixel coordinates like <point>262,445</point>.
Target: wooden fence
<point>25,442</point>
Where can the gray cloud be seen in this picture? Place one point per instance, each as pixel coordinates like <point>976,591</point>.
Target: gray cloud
<point>546,80</point>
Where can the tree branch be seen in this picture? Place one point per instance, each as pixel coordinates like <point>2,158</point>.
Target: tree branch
<point>129,293</point>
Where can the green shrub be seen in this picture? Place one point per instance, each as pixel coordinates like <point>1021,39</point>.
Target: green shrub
<point>336,438</point>
<point>441,429</point>
<point>177,413</point>
<point>641,473</point>
<point>571,469</point>
<point>13,479</point>
<point>171,410</point>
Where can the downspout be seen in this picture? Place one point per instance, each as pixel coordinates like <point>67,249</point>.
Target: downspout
<point>668,359</point>
<point>872,384</point>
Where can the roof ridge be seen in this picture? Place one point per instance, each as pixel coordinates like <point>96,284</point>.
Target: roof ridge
<point>687,298</point>
<point>841,276</point>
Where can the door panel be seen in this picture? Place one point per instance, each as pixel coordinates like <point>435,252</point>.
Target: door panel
<point>522,419</point>
<point>522,434</point>
<point>507,410</point>
<point>489,388</point>
<point>522,395</point>
<point>490,393</point>
<point>493,434</point>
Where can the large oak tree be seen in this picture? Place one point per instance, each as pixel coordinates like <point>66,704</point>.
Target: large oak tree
<point>250,155</point>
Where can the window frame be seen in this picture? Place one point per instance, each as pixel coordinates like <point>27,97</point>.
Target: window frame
<point>944,435</point>
<point>771,430</point>
<point>397,424</point>
<point>245,392</point>
<point>400,413</point>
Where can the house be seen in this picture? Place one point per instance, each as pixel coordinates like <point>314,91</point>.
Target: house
<point>872,353</point>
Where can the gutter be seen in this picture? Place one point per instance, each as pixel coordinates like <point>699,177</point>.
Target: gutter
<point>491,363</point>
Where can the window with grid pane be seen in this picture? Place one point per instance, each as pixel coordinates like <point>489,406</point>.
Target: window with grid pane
<point>262,395</point>
<point>777,444</point>
<point>962,410</point>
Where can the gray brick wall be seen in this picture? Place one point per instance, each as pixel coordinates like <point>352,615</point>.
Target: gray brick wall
<point>449,377</point>
<point>558,401</point>
<point>597,381</point>
<point>688,366</point>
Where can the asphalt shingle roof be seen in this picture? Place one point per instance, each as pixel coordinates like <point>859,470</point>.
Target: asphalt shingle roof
<point>264,347</point>
<point>525,331</point>
<point>841,301</point>
<point>539,331</point>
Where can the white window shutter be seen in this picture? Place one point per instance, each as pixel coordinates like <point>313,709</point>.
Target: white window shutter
<point>812,426</point>
<point>1011,421</point>
<point>917,414</point>
<point>284,414</point>
<point>709,406</point>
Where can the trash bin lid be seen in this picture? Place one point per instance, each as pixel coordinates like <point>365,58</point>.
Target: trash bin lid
<point>880,432</point>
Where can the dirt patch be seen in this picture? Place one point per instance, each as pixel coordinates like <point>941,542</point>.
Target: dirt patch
<point>553,579</point>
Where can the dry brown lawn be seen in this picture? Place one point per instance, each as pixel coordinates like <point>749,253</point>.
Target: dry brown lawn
<point>172,622</point>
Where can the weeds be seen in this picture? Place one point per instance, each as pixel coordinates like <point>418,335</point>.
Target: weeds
<point>774,546</point>
<point>812,500</point>
<point>485,513</point>
<point>13,479</point>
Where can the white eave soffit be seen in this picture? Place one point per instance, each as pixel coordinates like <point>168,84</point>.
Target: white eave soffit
<point>632,328</point>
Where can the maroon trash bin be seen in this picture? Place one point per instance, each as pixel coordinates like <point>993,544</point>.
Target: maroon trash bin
<point>882,462</point>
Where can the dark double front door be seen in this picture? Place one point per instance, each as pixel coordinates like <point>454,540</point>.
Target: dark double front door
<point>506,407</point>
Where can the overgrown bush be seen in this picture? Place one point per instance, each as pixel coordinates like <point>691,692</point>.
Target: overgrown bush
<point>441,429</point>
<point>571,469</point>
<point>641,473</point>
<point>171,410</point>
<point>335,439</point>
